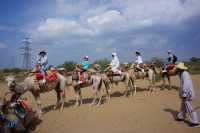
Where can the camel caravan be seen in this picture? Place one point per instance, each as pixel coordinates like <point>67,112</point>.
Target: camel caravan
<point>46,78</point>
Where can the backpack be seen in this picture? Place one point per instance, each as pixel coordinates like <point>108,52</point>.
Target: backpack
<point>175,58</point>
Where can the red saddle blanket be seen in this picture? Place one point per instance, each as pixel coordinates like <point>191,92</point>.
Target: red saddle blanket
<point>50,76</point>
<point>170,67</point>
<point>83,77</point>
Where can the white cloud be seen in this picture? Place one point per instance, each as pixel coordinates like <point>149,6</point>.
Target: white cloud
<point>98,18</point>
<point>93,25</point>
<point>58,28</point>
<point>143,12</point>
<point>2,45</point>
<point>110,20</point>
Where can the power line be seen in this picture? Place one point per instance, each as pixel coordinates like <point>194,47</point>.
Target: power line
<point>27,53</point>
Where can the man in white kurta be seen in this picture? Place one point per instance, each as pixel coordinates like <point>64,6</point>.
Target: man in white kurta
<point>187,94</point>
<point>115,64</point>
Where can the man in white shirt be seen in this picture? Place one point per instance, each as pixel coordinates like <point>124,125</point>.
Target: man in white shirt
<point>115,63</point>
<point>139,62</point>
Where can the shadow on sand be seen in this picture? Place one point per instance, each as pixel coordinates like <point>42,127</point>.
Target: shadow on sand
<point>174,114</point>
<point>164,87</point>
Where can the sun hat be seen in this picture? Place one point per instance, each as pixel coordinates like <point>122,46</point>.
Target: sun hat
<point>137,53</point>
<point>181,66</point>
<point>42,51</point>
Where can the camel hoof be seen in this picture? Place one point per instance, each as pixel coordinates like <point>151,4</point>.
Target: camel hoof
<point>61,108</point>
<point>92,104</point>
<point>98,104</point>
<point>55,107</point>
<point>39,114</point>
<point>77,104</point>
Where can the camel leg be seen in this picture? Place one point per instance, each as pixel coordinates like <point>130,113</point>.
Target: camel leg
<point>108,90</point>
<point>58,93</point>
<point>77,95</point>
<point>169,81</point>
<point>163,79</point>
<point>126,93</point>
<point>39,105</point>
<point>63,96</point>
<point>126,82</point>
<point>77,99</point>
<point>94,100</point>
<point>80,98</point>
<point>36,94</point>
<point>100,98</point>
<point>99,92</point>
<point>135,89</point>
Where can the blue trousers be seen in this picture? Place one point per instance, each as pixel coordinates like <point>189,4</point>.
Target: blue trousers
<point>43,69</point>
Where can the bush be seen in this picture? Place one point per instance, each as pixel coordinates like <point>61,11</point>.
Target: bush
<point>19,73</point>
<point>159,62</point>
<point>194,67</point>
<point>103,63</point>
<point>68,65</point>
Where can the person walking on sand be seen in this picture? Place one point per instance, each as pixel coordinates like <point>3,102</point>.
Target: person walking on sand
<point>187,94</point>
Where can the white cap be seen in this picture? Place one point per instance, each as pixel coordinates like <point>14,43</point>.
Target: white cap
<point>114,54</point>
<point>169,51</point>
<point>86,57</point>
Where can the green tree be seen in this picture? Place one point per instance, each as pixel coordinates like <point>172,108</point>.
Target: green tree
<point>194,59</point>
<point>69,65</point>
<point>103,63</point>
<point>159,62</point>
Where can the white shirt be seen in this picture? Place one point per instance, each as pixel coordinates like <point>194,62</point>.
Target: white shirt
<point>115,62</point>
<point>186,87</point>
<point>139,60</point>
<point>42,60</point>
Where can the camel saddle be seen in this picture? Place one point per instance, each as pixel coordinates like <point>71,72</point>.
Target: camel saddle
<point>50,76</point>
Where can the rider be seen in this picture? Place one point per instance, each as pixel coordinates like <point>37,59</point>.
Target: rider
<point>115,64</point>
<point>42,61</point>
<point>84,67</point>
<point>171,61</point>
<point>139,61</point>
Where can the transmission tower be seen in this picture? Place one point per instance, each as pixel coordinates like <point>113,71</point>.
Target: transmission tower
<point>27,53</point>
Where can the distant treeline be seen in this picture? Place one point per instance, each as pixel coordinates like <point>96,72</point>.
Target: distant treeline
<point>193,64</point>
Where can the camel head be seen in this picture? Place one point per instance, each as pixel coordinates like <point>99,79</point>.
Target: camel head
<point>11,82</point>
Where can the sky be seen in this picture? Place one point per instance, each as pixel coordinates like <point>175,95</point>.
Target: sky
<point>70,29</point>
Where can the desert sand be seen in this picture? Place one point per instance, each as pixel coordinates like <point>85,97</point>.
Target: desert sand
<point>141,113</point>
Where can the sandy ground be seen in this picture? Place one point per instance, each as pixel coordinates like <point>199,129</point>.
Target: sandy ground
<point>141,113</point>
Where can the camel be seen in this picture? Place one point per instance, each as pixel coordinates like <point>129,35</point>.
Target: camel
<point>166,75</point>
<point>125,77</point>
<point>95,81</point>
<point>22,117</point>
<point>36,87</point>
<point>149,73</point>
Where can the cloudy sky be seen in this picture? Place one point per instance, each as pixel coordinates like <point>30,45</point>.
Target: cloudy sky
<point>69,29</point>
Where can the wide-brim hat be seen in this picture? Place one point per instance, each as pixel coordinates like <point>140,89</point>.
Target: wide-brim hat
<point>138,53</point>
<point>181,66</point>
<point>42,51</point>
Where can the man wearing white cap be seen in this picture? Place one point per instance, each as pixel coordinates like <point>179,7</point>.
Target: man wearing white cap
<point>115,63</point>
<point>187,94</point>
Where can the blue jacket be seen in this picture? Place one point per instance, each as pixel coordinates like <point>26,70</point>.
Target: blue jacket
<point>85,65</point>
